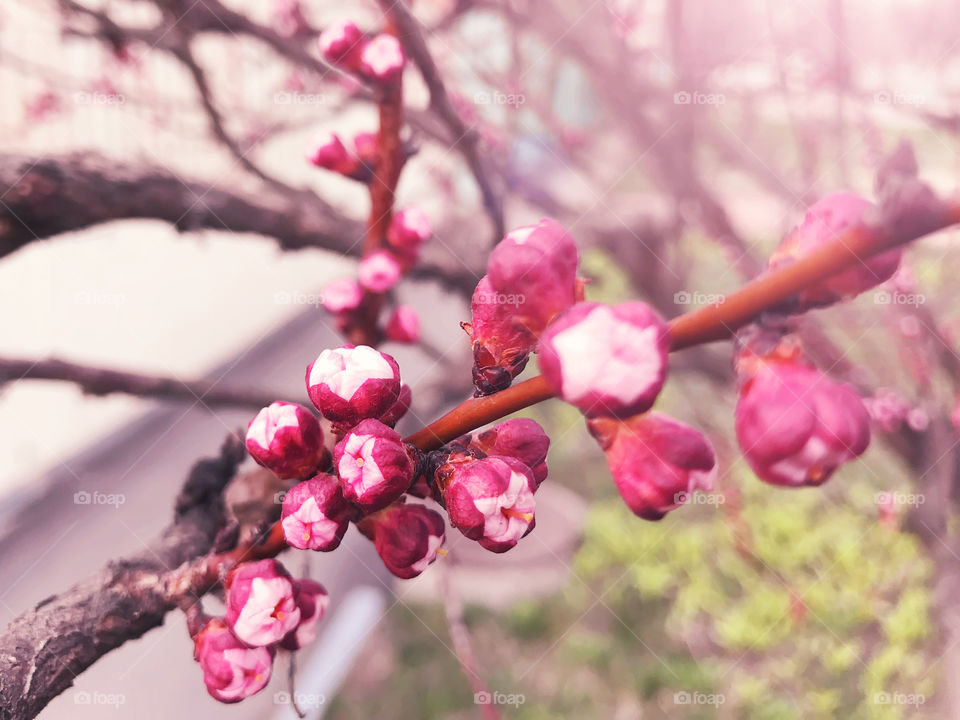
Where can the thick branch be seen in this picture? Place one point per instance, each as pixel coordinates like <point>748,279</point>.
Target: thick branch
<point>88,189</point>
<point>45,648</point>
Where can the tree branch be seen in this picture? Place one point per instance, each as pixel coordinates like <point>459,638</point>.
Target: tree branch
<point>465,139</point>
<point>89,189</point>
<point>104,381</point>
<point>45,648</point>
<point>716,322</point>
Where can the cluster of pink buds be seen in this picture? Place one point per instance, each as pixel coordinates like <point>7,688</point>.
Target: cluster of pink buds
<point>794,424</point>
<point>358,390</point>
<point>824,220</point>
<point>608,361</point>
<point>531,278</point>
<point>266,609</point>
<point>379,272</point>
<point>379,59</point>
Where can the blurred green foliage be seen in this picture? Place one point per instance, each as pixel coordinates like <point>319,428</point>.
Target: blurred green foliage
<point>820,612</point>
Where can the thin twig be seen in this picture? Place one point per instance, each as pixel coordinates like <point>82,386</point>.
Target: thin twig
<point>104,381</point>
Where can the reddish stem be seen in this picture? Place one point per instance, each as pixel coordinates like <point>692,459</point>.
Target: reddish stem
<point>706,324</point>
<point>383,185</point>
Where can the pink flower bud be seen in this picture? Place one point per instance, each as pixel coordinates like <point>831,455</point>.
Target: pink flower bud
<point>400,407</point>
<point>382,59</point>
<point>342,43</point>
<point>501,346</point>
<point>489,500</point>
<point>348,384</point>
<point>539,263</point>
<point>403,325</point>
<point>342,295</point>
<point>260,603</point>
<point>407,537</point>
<point>327,151</point>
<point>373,465</point>
<point>315,515</point>
<point>409,229</point>
<point>795,425</point>
<point>656,461</point>
<point>312,601</point>
<point>607,361</point>
<point>287,439</point>
<point>231,670</point>
<point>823,222</point>
<point>520,438</point>
<point>379,271</point>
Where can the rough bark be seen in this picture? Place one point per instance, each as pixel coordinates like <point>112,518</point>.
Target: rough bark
<point>46,647</point>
